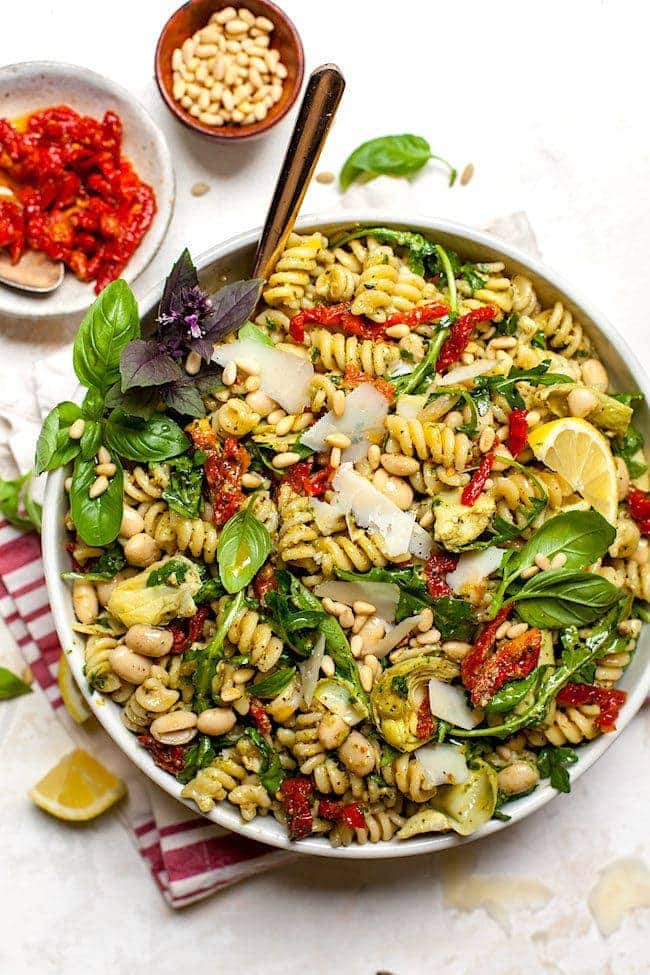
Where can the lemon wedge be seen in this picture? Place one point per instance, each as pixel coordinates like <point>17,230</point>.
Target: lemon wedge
<point>78,788</point>
<point>72,697</point>
<point>578,451</point>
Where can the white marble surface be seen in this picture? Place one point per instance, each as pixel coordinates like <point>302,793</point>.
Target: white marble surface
<point>549,101</point>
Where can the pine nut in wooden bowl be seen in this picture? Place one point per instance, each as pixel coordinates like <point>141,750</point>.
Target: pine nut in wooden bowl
<point>229,72</point>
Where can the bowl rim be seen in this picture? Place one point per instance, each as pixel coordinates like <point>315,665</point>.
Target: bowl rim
<point>228,817</point>
<point>224,133</point>
<point>143,255</point>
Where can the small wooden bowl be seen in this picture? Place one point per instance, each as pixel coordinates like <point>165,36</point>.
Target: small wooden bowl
<point>194,15</point>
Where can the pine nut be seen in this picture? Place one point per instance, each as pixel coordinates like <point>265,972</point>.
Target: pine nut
<point>264,24</point>
<point>363,608</point>
<point>251,480</point>
<point>502,631</point>
<point>236,27</point>
<point>516,629</point>
<point>398,331</point>
<point>558,560</point>
<point>327,666</point>
<point>192,363</point>
<point>76,429</point>
<point>286,459</point>
<point>335,457</point>
<point>426,620</point>
<point>543,562</point>
<point>374,456</point>
<point>346,619</point>
<point>229,374</point>
<point>399,464</point>
<point>108,469</point>
<point>356,645</point>
<point>338,403</point>
<point>340,440</point>
<point>67,484</point>
<point>531,571</point>
<point>98,487</point>
<point>285,425</point>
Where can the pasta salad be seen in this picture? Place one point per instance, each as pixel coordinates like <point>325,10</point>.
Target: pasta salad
<point>362,546</point>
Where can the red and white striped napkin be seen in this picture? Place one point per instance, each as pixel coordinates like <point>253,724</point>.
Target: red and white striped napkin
<point>189,857</point>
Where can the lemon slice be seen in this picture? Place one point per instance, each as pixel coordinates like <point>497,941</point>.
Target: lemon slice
<point>78,788</point>
<point>72,697</point>
<point>578,451</point>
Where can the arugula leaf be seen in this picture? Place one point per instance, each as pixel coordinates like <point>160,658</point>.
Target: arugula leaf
<point>109,324</point>
<point>209,656</point>
<point>641,611</point>
<point>273,684</point>
<point>144,440</point>
<point>454,618</point>
<point>17,505</point>
<point>508,325</point>
<point>106,567</point>
<point>628,399</point>
<point>183,493</point>
<point>54,447</point>
<point>272,774</point>
<point>564,597</point>
<point>552,762</point>
<point>512,694</point>
<point>473,278</point>
<point>421,376</point>
<point>11,686</point>
<point>211,589</point>
<point>626,446</point>
<point>196,756</point>
<point>173,567</point>
<point>538,340</point>
<point>244,546</point>
<point>506,386</point>
<point>390,155</point>
<point>97,520</point>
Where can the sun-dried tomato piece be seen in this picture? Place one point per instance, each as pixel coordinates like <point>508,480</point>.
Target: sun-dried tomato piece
<point>609,700</point>
<point>187,632</point>
<point>265,581</point>
<point>477,656</point>
<point>334,316</point>
<point>436,566</point>
<point>223,471</point>
<point>167,757</point>
<point>257,711</point>
<point>460,334</point>
<point>513,660</point>
<point>418,316</point>
<point>300,479</point>
<point>638,503</point>
<point>517,432</point>
<point>335,811</point>
<point>426,723</point>
<point>472,491</point>
<point>353,377</point>
<point>296,795</point>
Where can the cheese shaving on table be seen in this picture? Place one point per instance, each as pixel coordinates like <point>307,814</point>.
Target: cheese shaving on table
<point>284,377</point>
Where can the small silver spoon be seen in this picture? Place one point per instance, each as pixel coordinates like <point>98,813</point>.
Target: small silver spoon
<point>35,273</point>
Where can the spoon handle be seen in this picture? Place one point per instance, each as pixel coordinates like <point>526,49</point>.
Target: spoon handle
<point>319,104</point>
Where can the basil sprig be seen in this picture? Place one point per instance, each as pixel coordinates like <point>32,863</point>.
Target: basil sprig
<point>17,504</point>
<point>563,597</point>
<point>552,763</point>
<point>110,323</point>
<point>155,439</point>
<point>390,155</point>
<point>97,520</point>
<point>244,546</point>
<point>11,686</point>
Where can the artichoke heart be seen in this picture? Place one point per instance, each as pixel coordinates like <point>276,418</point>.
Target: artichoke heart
<point>463,808</point>
<point>134,601</point>
<point>398,694</point>
<point>457,523</point>
<point>607,414</point>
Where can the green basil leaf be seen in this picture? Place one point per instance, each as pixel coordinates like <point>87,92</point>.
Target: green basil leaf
<point>211,589</point>
<point>560,597</point>
<point>390,155</point>
<point>244,546</point>
<point>552,763</point>
<point>11,686</point>
<point>454,618</point>
<point>273,684</point>
<point>91,439</point>
<point>110,323</point>
<point>97,520</point>
<point>54,448</point>
<point>538,340</point>
<point>173,567</point>
<point>92,407</point>
<point>17,506</point>
<point>155,439</point>
<point>250,331</point>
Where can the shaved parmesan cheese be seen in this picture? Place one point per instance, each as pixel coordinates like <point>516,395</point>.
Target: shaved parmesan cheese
<point>474,567</point>
<point>284,377</point>
<point>449,703</point>
<point>409,406</point>
<point>384,596</point>
<point>374,510</point>
<point>500,897</point>
<point>463,374</point>
<point>365,411</point>
<point>624,886</point>
<point>396,635</point>
<point>310,669</point>
<point>327,515</point>
<point>421,543</point>
<point>400,368</point>
<point>442,764</point>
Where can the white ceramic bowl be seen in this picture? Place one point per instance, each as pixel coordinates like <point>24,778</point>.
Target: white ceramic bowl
<point>234,259</point>
<point>32,85</point>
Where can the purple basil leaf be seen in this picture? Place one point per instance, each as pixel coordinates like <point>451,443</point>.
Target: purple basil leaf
<point>147,363</point>
<point>135,402</point>
<point>231,307</point>
<point>182,276</point>
<point>184,397</point>
<point>203,347</point>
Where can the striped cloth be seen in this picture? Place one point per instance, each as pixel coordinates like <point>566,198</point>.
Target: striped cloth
<point>189,857</point>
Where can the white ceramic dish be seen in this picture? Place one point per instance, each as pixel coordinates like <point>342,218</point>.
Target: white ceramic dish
<point>41,84</point>
<point>233,259</point>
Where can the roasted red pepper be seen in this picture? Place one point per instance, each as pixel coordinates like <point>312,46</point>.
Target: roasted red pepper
<point>301,480</point>
<point>223,471</point>
<point>472,491</point>
<point>426,724</point>
<point>418,316</point>
<point>512,661</point>
<point>186,632</point>
<point>436,566</point>
<point>167,757</point>
<point>460,334</point>
<point>258,713</point>
<point>477,656</point>
<point>265,581</point>
<point>349,814</point>
<point>296,795</point>
<point>334,316</point>
<point>518,432</point>
<point>353,377</point>
<point>78,199</point>
<point>609,700</point>
<point>638,503</point>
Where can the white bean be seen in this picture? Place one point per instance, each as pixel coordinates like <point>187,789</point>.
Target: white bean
<point>216,721</point>
<point>357,754</point>
<point>132,523</point>
<point>151,641</point>
<point>141,550</point>
<point>85,601</point>
<point>131,667</point>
